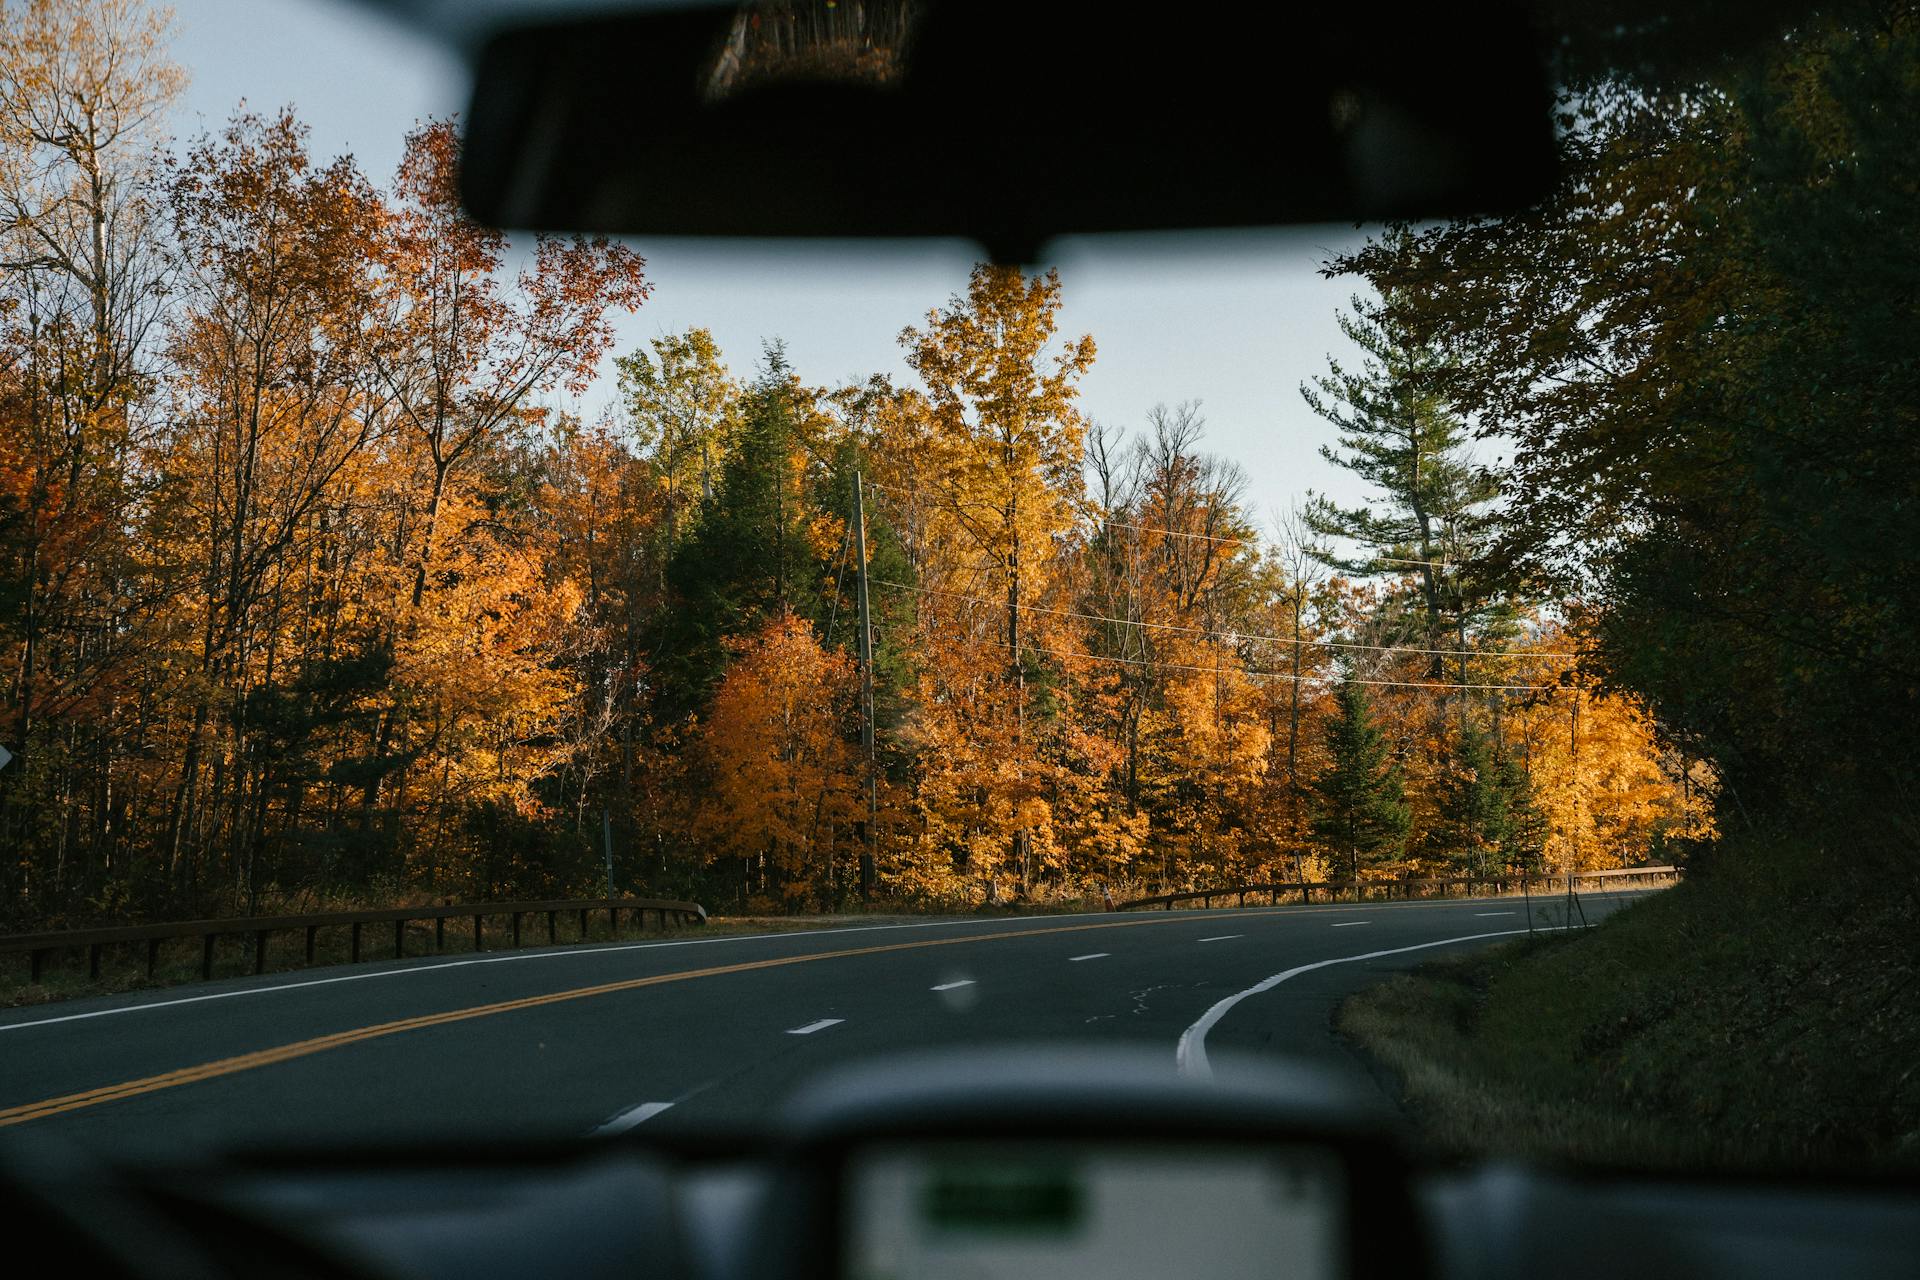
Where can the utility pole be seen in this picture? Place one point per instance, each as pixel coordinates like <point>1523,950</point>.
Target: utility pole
<point>866,688</point>
<point>606,845</point>
<point>1573,754</point>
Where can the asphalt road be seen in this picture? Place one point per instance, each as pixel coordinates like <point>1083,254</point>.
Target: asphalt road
<point>693,1031</point>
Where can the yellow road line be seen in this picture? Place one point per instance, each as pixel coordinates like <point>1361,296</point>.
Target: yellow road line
<point>319,1044</point>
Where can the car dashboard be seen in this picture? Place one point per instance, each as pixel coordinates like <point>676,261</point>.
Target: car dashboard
<point>1011,1164</point>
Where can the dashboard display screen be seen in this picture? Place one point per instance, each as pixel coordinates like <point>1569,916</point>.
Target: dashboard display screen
<point>978,1210</point>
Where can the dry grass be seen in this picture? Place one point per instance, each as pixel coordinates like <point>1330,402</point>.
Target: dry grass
<point>1760,1016</point>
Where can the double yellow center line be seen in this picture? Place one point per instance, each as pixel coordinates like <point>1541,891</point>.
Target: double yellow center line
<point>320,1044</point>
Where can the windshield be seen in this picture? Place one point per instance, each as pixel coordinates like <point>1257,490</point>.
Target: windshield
<point>743,657</point>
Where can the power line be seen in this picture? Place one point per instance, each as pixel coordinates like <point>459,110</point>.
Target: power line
<point>839,579</point>
<point>1255,541</point>
<point>1258,674</point>
<point>1215,634</point>
<point>1198,537</point>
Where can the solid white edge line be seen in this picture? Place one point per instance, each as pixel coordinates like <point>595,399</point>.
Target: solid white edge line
<point>1097,955</point>
<point>812,1027</point>
<point>1190,1055</point>
<point>551,953</point>
<point>548,953</point>
<point>629,1118</point>
<point>949,986</point>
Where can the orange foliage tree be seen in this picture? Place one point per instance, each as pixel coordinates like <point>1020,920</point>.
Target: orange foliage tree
<point>779,792</point>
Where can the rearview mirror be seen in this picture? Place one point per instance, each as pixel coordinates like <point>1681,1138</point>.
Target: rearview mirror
<point>1007,124</point>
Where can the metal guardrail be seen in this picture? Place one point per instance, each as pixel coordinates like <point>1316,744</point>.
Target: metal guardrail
<point>42,945</point>
<point>1307,888</point>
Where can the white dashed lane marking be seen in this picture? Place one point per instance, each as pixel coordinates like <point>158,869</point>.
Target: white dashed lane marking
<point>629,1118</point>
<point>812,1027</point>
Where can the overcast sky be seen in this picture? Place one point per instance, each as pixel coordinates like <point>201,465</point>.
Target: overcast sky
<point>1236,322</point>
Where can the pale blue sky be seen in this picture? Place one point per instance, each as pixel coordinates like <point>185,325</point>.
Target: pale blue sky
<point>1236,322</point>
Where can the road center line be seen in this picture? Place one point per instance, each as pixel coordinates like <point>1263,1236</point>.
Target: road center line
<point>1097,955</point>
<point>949,986</point>
<point>812,1027</point>
<point>564,952</point>
<point>1190,1056</point>
<point>512,957</point>
<point>1223,937</point>
<point>629,1118</point>
<point>302,1048</point>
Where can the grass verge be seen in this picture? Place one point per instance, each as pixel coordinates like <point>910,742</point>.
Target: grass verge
<point>1763,1014</point>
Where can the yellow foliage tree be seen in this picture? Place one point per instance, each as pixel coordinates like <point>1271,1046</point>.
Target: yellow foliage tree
<point>999,442</point>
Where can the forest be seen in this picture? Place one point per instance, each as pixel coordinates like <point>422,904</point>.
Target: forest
<point>310,594</point>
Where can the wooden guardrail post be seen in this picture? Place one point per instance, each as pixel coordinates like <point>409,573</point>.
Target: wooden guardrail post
<point>39,948</point>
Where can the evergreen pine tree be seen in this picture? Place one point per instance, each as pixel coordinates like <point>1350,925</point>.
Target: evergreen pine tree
<point>749,559</point>
<point>1474,793</point>
<point>1400,435</point>
<point>1523,841</point>
<point>1361,808</point>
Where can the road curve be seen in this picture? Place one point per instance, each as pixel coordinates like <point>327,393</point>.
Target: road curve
<point>698,1032</point>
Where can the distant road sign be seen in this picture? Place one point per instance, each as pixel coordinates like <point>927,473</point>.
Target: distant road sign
<point>6,757</point>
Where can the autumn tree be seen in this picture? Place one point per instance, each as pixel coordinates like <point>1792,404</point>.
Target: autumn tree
<point>780,795</point>
<point>1172,583</point>
<point>1001,439</point>
<point>268,353</point>
<point>680,402</point>
<point>1695,347</point>
<point>465,345</point>
<point>1295,600</point>
<point>1000,428</point>
<point>83,87</point>
<point>605,512</point>
<point>761,544</point>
